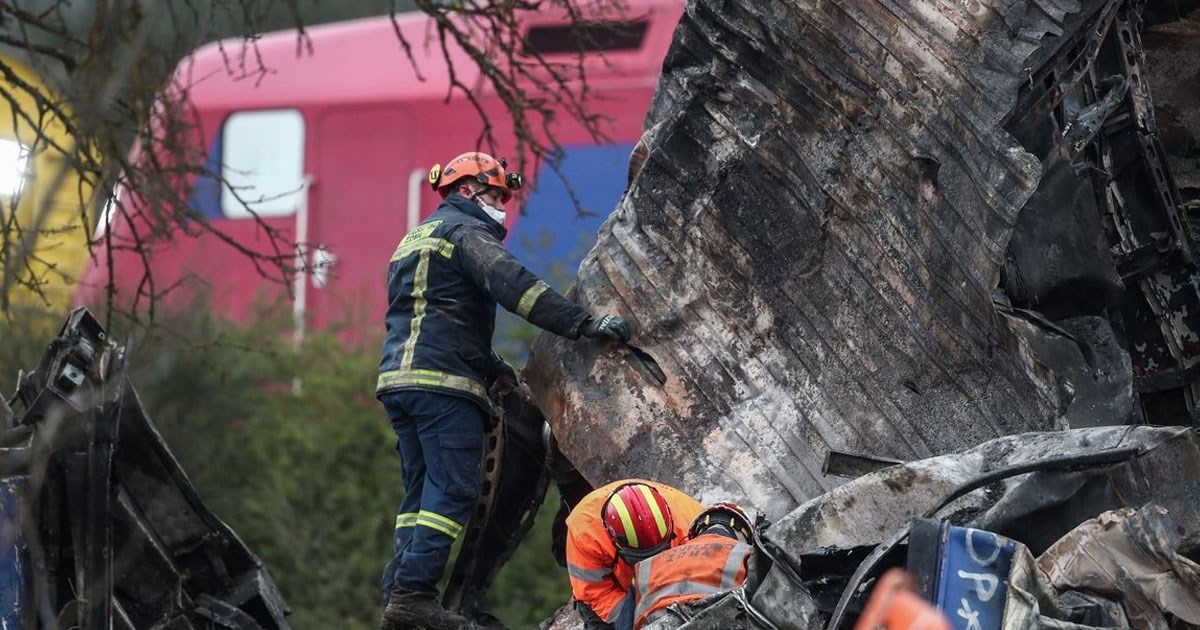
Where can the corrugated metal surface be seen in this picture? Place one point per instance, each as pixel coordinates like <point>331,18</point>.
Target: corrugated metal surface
<point>810,250</point>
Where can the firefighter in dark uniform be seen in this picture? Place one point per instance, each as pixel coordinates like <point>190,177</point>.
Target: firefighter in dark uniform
<point>444,282</point>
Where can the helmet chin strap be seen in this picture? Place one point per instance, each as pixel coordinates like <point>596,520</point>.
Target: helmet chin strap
<point>493,212</point>
<point>475,197</point>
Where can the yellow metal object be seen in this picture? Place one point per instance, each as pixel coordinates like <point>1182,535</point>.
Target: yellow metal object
<point>45,204</point>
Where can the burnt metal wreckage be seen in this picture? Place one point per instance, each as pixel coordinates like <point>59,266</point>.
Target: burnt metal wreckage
<point>898,231</point>
<point>934,244</point>
<point>100,527</point>
<point>1025,531</point>
<point>863,233</point>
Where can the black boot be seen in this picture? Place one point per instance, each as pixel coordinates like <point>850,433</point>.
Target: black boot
<point>409,610</point>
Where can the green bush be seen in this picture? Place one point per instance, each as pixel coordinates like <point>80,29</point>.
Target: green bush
<point>24,334</point>
<point>293,452</point>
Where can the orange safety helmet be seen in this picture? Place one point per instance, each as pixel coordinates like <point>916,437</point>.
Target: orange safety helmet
<point>482,167</point>
<point>727,514</point>
<point>638,520</point>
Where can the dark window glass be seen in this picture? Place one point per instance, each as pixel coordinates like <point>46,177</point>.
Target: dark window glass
<point>585,36</point>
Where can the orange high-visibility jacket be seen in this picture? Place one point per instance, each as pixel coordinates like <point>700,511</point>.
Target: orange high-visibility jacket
<point>598,577</point>
<point>704,565</point>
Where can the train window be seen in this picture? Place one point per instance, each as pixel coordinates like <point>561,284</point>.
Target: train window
<point>262,163</point>
<point>556,39</point>
<point>14,167</point>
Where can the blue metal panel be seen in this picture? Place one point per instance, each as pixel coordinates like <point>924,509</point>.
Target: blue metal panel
<point>14,596</point>
<point>205,198</point>
<point>552,236</point>
<point>972,577</point>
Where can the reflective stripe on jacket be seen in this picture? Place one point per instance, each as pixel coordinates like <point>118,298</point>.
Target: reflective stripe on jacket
<point>700,567</point>
<point>598,577</point>
<point>444,282</point>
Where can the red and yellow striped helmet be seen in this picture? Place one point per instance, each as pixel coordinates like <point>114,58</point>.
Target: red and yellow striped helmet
<point>639,521</point>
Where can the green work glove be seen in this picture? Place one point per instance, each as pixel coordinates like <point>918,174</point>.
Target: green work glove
<point>606,327</point>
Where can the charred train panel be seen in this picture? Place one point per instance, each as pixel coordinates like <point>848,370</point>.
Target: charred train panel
<point>1104,235</point>
<point>826,199</point>
<point>108,531</point>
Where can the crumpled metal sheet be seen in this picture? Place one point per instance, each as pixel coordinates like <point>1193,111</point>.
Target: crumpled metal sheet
<point>1036,508</point>
<point>112,533</point>
<point>1064,515</point>
<point>1031,603</point>
<point>719,611</point>
<point>505,513</point>
<point>809,249</point>
<point>1123,569</point>
<point>1131,556</point>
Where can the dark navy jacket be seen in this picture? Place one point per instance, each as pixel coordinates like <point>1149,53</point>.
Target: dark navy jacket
<point>444,282</point>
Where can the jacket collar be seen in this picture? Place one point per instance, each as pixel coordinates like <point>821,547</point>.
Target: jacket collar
<point>472,209</point>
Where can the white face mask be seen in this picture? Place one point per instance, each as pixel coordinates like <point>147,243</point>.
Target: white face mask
<point>496,215</point>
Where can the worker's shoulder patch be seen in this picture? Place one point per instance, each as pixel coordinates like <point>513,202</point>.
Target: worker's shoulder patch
<point>420,232</point>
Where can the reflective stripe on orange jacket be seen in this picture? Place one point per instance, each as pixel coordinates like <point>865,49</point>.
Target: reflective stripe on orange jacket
<point>696,569</point>
<point>598,578</point>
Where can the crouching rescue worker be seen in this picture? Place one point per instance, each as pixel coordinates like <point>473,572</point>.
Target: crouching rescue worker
<point>613,528</point>
<point>444,282</point>
<point>714,559</point>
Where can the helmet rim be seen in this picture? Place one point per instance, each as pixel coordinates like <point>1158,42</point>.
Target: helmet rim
<point>735,518</point>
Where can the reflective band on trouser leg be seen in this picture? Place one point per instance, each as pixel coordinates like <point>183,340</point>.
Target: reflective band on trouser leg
<point>432,378</point>
<point>591,576</point>
<point>420,283</point>
<point>440,523</point>
<point>530,297</point>
<point>408,519</point>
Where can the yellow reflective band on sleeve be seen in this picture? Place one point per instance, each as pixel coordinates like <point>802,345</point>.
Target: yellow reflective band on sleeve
<point>440,523</point>
<point>430,378</point>
<point>420,283</point>
<point>438,245</point>
<point>626,522</point>
<point>420,232</point>
<point>659,518</point>
<point>530,297</point>
<point>408,519</point>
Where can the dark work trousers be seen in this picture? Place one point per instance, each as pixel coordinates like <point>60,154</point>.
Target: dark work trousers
<point>440,442</point>
<point>625,619</point>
